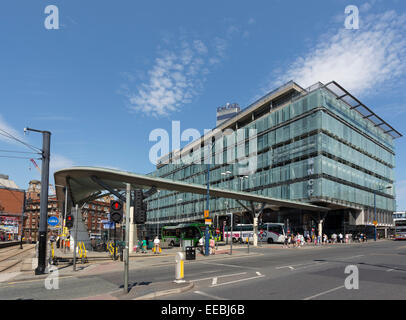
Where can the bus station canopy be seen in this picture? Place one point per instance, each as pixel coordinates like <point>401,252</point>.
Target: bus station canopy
<point>82,184</point>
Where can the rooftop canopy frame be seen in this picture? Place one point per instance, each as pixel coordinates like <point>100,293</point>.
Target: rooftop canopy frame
<point>357,105</point>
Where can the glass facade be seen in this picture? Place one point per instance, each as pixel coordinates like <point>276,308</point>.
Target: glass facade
<point>311,147</point>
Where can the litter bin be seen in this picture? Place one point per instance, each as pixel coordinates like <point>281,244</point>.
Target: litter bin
<point>190,253</point>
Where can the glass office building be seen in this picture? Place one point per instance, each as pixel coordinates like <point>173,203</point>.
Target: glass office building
<point>318,145</point>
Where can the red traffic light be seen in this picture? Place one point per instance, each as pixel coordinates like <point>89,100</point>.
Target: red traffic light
<point>116,205</point>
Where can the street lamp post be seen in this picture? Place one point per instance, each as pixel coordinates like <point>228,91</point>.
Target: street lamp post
<point>387,187</point>
<point>206,253</point>
<point>157,225</point>
<point>42,241</point>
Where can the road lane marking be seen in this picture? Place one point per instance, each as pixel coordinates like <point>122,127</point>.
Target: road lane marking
<point>291,267</point>
<point>389,270</point>
<point>214,282</point>
<point>311,265</point>
<point>227,265</point>
<point>209,295</point>
<point>345,258</point>
<point>235,281</point>
<point>223,276</point>
<point>324,292</point>
<point>259,273</point>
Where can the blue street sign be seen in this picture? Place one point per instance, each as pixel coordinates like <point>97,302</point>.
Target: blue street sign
<point>53,221</point>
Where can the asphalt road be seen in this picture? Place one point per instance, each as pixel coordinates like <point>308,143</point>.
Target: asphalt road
<point>264,274</point>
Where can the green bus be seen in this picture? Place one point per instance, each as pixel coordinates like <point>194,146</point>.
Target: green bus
<point>172,235</point>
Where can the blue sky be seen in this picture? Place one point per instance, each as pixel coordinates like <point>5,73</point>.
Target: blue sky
<point>115,71</point>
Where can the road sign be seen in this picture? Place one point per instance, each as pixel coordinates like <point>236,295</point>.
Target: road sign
<point>375,222</point>
<point>206,213</point>
<point>217,230</point>
<point>207,221</point>
<point>53,221</point>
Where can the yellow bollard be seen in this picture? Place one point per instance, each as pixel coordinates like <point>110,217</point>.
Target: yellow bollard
<point>179,270</point>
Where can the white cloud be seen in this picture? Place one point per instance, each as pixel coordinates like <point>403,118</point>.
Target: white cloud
<point>58,162</point>
<point>176,77</point>
<point>4,126</point>
<point>361,60</point>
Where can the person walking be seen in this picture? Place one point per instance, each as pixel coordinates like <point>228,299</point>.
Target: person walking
<point>157,245</point>
<point>340,237</point>
<point>144,245</point>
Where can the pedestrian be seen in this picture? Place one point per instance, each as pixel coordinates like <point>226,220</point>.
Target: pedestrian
<point>325,239</point>
<point>212,246</point>
<point>157,245</point>
<point>340,237</point>
<point>285,244</point>
<point>144,246</point>
<point>201,244</point>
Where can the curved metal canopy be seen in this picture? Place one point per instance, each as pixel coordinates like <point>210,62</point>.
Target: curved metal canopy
<point>82,185</point>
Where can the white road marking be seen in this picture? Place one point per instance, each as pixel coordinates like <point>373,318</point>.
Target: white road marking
<point>259,273</point>
<point>240,280</point>
<point>214,282</point>
<point>223,276</point>
<point>227,265</point>
<point>389,270</point>
<point>345,258</point>
<point>296,265</point>
<point>322,293</point>
<point>209,295</point>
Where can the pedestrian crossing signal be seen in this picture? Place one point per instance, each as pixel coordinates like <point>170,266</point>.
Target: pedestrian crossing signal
<point>116,212</point>
<point>69,221</point>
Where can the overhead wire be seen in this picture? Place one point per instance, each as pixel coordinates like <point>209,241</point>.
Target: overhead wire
<point>10,136</point>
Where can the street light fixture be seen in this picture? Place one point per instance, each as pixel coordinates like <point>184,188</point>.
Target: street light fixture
<point>157,225</point>
<point>42,240</point>
<point>387,187</point>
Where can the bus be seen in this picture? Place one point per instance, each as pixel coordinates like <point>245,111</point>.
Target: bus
<point>400,229</point>
<point>240,233</point>
<point>271,233</point>
<point>173,235</point>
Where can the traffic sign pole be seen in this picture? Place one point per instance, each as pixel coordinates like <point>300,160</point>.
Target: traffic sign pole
<point>76,237</point>
<point>127,237</point>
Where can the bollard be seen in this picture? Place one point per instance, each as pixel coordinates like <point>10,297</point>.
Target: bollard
<point>179,270</point>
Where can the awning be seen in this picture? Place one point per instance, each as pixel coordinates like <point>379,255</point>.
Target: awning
<point>82,186</point>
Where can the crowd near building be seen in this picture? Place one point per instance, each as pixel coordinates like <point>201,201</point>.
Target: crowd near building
<point>319,145</point>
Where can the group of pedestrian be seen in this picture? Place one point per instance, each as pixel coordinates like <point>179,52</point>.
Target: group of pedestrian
<point>144,245</point>
<point>201,245</point>
<point>296,240</point>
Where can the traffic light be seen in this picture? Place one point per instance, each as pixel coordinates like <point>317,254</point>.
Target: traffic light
<point>140,208</point>
<point>116,211</point>
<point>69,221</point>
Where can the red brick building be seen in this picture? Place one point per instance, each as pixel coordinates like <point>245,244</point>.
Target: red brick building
<point>93,213</point>
<point>11,208</point>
